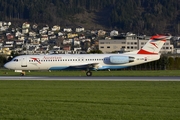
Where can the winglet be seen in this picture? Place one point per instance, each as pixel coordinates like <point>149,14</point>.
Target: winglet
<point>154,45</point>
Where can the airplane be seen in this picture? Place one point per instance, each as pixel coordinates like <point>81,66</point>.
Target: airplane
<point>149,52</point>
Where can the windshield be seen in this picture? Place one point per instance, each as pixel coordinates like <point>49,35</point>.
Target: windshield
<point>16,60</point>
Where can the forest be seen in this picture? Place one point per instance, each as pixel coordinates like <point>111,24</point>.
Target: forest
<point>138,16</point>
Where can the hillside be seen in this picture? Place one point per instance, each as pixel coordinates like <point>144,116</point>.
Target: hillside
<point>140,16</point>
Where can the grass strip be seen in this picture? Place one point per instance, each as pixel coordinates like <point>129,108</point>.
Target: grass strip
<point>95,73</point>
<point>90,100</point>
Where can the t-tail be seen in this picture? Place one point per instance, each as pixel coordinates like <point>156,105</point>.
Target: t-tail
<point>154,45</point>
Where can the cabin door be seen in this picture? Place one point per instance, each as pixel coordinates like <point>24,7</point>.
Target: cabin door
<point>24,61</point>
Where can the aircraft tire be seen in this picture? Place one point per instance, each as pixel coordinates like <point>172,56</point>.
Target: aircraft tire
<point>88,73</point>
<point>22,74</point>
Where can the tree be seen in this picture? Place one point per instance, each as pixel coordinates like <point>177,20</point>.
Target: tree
<point>95,51</point>
<point>177,63</point>
<point>170,63</point>
<point>3,60</point>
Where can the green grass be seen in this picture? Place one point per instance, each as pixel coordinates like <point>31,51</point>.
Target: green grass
<point>89,100</point>
<point>95,73</point>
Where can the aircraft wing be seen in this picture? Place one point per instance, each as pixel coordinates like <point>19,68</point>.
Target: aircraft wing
<point>84,66</point>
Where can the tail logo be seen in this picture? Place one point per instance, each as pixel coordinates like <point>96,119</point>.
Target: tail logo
<point>154,44</point>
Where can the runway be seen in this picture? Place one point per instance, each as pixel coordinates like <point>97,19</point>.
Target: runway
<point>164,78</point>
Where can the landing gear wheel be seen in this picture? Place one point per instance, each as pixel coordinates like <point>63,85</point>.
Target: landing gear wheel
<point>88,73</point>
<point>22,74</point>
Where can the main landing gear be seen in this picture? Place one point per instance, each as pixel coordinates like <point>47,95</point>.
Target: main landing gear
<point>88,73</point>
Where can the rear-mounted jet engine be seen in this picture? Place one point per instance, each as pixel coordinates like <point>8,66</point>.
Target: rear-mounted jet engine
<point>121,59</point>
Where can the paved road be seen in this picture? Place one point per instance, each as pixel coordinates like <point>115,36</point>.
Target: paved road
<point>91,78</point>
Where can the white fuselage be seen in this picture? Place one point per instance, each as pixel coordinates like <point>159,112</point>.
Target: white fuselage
<point>78,61</point>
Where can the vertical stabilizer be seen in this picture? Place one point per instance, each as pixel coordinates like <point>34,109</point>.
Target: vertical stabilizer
<point>154,45</point>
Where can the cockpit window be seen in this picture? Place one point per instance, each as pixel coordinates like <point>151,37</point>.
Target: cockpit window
<point>16,60</point>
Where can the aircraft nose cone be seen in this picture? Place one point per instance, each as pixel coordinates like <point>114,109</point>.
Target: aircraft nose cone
<point>7,65</point>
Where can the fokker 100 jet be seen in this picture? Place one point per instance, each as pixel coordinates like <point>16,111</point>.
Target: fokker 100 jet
<point>149,52</point>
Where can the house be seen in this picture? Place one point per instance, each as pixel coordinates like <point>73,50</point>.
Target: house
<point>21,38</point>
<point>19,42</point>
<point>9,23</point>
<point>44,49</point>
<point>93,32</point>
<point>44,38</point>
<point>25,28</point>
<point>60,34</point>
<point>50,32</point>
<point>52,37</point>
<point>82,36</point>
<point>42,32</point>
<point>101,33</point>
<point>32,34</point>
<point>70,35</point>
<point>67,30</point>
<point>18,34</point>
<point>2,28</point>
<point>36,41</point>
<point>114,33</point>
<point>86,40</point>
<point>55,28</point>
<point>31,49</point>
<point>25,31</point>
<point>67,47</point>
<point>8,44</point>
<point>79,29</point>
<point>76,43</point>
<point>18,45</point>
<point>9,36</point>
<point>55,50</point>
<point>25,25</point>
<point>67,41</point>
<point>177,50</point>
<point>46,27</point>
<point>108,38</point>
<point>5,24</point>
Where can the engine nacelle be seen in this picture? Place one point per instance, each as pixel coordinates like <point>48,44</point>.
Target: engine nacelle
<point>121,59</point>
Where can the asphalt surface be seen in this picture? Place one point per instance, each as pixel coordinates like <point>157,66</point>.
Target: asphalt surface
<point>92,78</point>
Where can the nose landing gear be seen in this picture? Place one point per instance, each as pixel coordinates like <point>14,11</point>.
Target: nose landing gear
<point>22,73</point>
<point>88,73</point>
